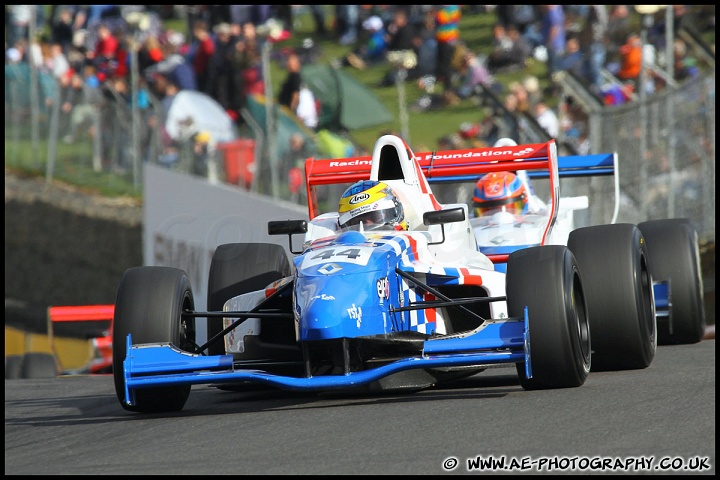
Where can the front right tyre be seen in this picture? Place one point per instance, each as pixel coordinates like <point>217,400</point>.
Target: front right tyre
<point>149,306</point>
<point>546,279</point>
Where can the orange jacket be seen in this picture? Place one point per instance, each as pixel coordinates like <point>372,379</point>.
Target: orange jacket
<point>630,65</point>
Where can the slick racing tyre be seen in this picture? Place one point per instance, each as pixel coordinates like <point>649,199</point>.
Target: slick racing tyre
<point>238,268</point>
<point>13,366</point>
<point>675,258</point>
<point>546,279</point>
<point>613,262</point>
<point>149,306</point>
<point>39,365</point>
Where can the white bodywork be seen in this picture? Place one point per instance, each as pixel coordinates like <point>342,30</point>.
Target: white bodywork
<point>450,249</point>
<point>505,229</point>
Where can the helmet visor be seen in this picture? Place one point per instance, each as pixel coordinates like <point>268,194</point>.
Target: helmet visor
<point>373,219</point>
<point>516,207</point>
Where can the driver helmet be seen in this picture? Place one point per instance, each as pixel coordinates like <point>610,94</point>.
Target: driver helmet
<point>372,203</point>
<point>499,192</point>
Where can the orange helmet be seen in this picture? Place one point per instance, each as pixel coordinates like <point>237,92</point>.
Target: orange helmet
<point>500,191</point>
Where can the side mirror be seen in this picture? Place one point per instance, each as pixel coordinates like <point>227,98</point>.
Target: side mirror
<point>287,227</point>
<point>441,217</point>
<point>438,217</point>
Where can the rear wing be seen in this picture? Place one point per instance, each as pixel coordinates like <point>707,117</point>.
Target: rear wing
<point>445,166</point>
<point>91,320</point>
<point>601,164</point>
<point>538,160</point>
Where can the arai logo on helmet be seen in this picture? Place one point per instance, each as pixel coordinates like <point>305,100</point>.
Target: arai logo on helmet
<point>359,198</point>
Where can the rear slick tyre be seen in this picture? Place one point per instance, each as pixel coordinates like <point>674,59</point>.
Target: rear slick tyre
<point>238,268</point>
<point>613,262</point>
<point>675,258</point>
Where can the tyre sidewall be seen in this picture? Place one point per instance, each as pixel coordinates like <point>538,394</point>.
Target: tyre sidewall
<point>149,307</point>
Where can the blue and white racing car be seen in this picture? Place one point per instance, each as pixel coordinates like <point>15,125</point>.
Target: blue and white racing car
<point>373,309</point>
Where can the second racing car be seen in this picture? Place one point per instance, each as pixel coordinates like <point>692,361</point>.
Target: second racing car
<point>508,215</point>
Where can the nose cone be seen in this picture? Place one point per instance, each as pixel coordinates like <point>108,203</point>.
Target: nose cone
<point>339,306</point>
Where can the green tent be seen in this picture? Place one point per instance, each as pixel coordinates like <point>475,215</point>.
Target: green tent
<point>346,104</point>
<point>287,122</point>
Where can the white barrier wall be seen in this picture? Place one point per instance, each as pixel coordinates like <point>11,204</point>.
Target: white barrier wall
<point>186,217</point>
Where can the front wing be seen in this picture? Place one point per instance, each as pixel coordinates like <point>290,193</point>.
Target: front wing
<point>163,364</point>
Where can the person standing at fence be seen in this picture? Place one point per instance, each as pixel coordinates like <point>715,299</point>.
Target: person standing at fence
<point>104,51</point>
<point>547,119</point>
<point>203,150</point>
<point>572,60</point>
<point>149,54</point>
<point>202,49</point>
<point>119,146</point>
<point>511,50</point>
<point>248,58</point>
<point>175,66</point>
<point>81,101</point>
<point>61,29</point>
<point>552,29</point>
<point>631,60</point>
<point>399,38</point>
<point>618,29</point>
<point>223,74</point>
<point>592,44</point>
<point>293,167</point>
<point>18,22</point>
<point>447,34</point>
<point>475,75</point>
<point>56,62</point>
<point>289,95</point>
<point>307,109</point>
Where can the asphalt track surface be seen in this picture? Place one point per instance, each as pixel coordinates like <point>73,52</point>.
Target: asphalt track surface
<point>663,416</point>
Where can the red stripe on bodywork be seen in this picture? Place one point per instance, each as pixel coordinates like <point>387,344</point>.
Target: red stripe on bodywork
<point>430,313</point>
<point>469,279</point>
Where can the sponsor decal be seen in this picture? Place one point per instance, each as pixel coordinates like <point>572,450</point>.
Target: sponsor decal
<point>359,198</point>
<point>350,163</point>
<point>493,188</point>
<point>383,288</point>
<point>499,240</point>
<point>356,314</point>
<point>480,153</point>
<point>330,268</point>
<point>323,297</point>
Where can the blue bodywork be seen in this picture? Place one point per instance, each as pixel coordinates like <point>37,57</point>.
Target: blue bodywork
<point>352,287</point>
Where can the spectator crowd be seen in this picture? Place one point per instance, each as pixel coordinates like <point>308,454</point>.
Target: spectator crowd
<point>86,49</point>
